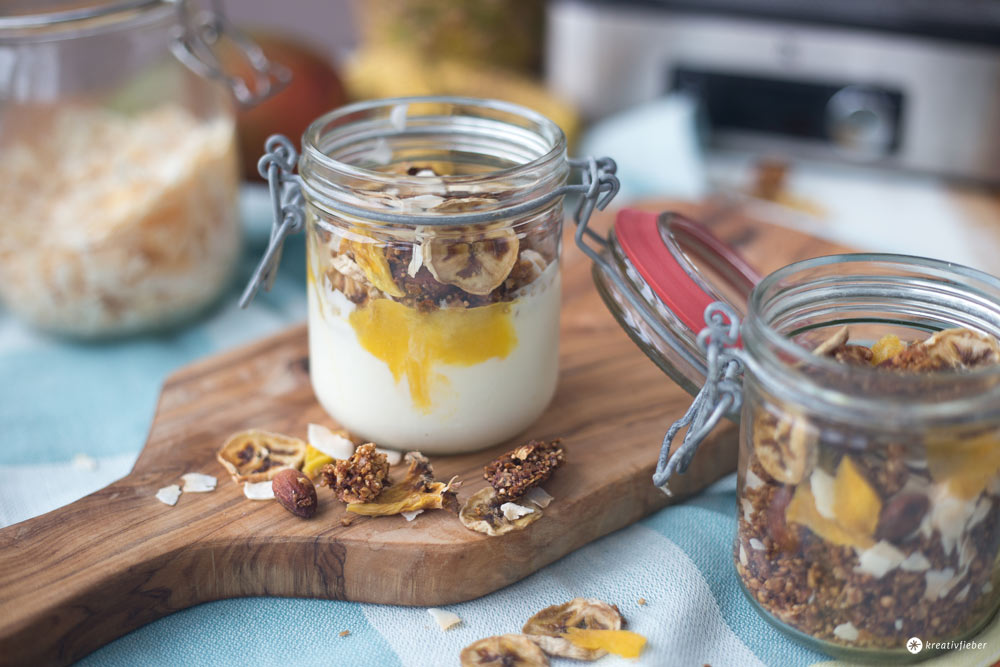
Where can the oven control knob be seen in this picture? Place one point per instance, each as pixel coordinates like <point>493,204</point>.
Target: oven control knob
<point>860,122</point>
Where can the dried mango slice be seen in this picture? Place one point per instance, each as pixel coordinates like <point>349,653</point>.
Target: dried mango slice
<point>620,642</point>
<point>369,256</point>
<point>548,628</point>
<point>856,504</point>
<point>802,510</point>
<point>417,491</point>
<point>966,465</point>
<point>314,462</point>
<point>257,456</point>
<point>887,347</point>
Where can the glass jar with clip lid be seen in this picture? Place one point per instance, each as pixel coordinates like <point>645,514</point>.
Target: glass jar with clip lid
<point>433,233</point>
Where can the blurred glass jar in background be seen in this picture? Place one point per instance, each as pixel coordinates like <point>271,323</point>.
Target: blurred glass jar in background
<point>118,164</point>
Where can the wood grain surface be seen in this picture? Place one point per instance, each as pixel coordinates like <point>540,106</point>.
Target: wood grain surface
<point>78,577</point>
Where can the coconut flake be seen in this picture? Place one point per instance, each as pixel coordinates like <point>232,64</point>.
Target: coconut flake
<point>899,624</point>
<point>398,117</point>
<point>539,497</point>
<point>391,455</point>
<point>847,632</point>
<point>915,562</point>
<point>513,511</point>
<point>964,593</point>
<point>879,559</point>
<point>939,582</point>
<point>445,619</point>
<point>756,544</point>
<point>747,509</point>
<point>743,556</point>
<point>168,495</point>
<point>410,516</point>
<point>328,442</point>
<point>982,510</point>
<point>380,153</point>
<point>196,482</point>
<point>84,462</point>
<point>821,483</point>
<point>753,480</point>
<point>421,203</point>
<point>258,490</point>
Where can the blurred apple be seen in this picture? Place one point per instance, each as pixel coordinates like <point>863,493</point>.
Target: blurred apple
<point>315,88</point>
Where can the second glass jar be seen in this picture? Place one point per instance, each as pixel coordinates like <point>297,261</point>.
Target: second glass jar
<point>429,336</point>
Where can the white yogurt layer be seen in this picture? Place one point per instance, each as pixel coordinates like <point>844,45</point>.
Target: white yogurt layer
<point>471,407</point>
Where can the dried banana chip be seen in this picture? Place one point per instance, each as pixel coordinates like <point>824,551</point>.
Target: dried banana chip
<point>256,456</point>
<point>951,349</point>
<point>476,267</point>
<point>785,446</point>
<point>548,627</point>
<point>504,651</point>
<point>417,491</point>
<point>483,513</point>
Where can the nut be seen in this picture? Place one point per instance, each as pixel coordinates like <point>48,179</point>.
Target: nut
<point>295,492</point>
<point>902,515</point>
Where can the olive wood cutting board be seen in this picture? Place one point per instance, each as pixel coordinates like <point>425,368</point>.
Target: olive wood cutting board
<point>78,577</point>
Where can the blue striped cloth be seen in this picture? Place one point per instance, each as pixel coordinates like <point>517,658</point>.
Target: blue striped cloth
<point>678,560</point>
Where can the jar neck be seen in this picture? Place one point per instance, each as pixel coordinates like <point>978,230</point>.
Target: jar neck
<point>794,309</point>
<point>431,157</point>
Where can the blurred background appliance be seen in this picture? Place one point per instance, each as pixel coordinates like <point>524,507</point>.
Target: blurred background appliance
<point>910,84</point>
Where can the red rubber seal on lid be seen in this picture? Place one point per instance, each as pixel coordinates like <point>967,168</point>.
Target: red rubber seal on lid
<point>638,234</point>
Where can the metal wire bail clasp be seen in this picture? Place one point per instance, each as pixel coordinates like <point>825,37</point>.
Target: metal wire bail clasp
<point>721,395</point>
<point>277,166</point>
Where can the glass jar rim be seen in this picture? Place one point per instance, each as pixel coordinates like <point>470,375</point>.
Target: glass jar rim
<point>312,137</point>
<point>779,349</point>
<point>95,17</point>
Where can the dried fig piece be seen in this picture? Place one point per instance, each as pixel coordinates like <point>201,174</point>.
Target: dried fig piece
<point>483,513</point>
<point>503,651</point>
<point>548,627</point>
<point>516,472</point>
<point>785,446</point>
<point>417,491</point>
<point>856,355</point>
<point>257,456</point>
<point>476,267</point>
<point>358,479</point>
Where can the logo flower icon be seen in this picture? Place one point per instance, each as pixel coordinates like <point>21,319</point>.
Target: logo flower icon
<point>914,645</point>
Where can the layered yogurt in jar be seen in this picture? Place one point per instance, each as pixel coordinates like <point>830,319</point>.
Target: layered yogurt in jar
<point>425,333</point>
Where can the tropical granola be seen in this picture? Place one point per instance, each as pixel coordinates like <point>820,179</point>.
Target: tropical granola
<point>866,546</point>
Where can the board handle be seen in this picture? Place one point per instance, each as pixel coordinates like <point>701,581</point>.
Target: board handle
<point>76,577</point>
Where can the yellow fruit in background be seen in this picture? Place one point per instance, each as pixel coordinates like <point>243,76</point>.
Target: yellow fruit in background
<point>387,72</point>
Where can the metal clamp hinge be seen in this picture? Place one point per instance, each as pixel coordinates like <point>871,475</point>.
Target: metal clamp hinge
<point>277,166</point>
<point>721,395</point>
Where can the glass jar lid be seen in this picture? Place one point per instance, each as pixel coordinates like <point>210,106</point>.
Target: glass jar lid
<point>657,274</point>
